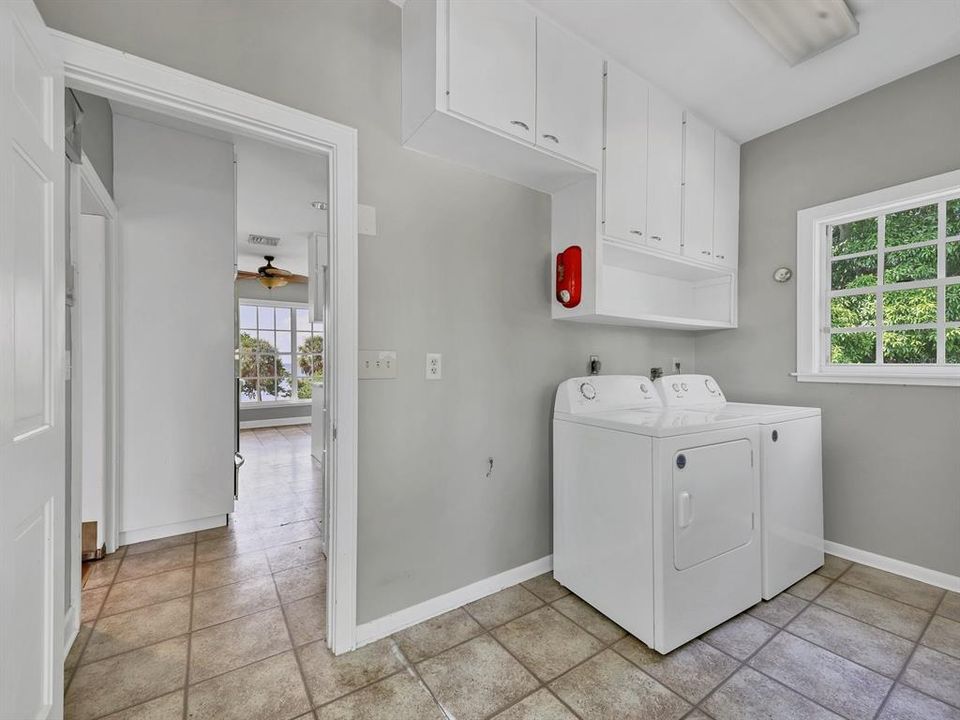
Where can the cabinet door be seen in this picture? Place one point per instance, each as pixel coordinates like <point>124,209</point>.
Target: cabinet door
<point>664,176</point>
<point>698,187</point>
<point>569,95</point>
<point>493,63</point>
<point>625,161</point>
<point>726,201</point>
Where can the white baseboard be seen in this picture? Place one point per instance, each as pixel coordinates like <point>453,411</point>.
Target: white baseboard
<point>394,622</point>
<point>274,422</point>
<point>128,537</point>
<point>898,567</point>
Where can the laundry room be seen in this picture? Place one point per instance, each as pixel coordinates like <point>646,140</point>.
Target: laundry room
<point>493,359</point>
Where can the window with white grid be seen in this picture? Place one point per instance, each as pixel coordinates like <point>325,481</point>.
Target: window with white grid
<point>879,286</point>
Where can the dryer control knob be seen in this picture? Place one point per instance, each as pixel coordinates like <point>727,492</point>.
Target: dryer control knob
<point>643,387</point>
<point>711,386</point>
<point>684,386</point>
<point>588,391</point>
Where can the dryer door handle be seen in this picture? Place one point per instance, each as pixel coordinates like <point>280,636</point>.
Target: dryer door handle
<point>684,509</point>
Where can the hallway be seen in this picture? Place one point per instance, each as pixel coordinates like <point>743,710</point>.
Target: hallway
<point>198,625</point>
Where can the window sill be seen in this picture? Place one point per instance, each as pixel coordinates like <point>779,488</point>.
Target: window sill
<point>877,378</point>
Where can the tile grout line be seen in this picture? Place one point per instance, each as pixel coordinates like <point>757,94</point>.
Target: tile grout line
<point>906,664</point>
<point>186,672</point>
<point>293,645</point>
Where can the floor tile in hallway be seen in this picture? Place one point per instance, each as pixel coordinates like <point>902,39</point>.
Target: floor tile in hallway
<point>230,623</point>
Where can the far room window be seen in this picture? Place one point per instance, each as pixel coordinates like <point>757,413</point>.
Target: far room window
<point>281,352</point>
<point>879,294</point>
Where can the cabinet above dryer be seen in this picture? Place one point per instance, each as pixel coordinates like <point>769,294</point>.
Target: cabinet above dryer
<point>499,88</point>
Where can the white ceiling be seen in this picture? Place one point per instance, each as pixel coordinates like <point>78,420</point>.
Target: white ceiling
<point>709,57</point>
<point>275,187</point>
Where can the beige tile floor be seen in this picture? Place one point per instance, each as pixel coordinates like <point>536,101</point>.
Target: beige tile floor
<point>230,623</point>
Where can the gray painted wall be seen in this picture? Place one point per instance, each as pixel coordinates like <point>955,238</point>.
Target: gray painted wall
<point>294,292</point>
<point>891,453</point>
<point>97,135</point>
<point>460,267</point>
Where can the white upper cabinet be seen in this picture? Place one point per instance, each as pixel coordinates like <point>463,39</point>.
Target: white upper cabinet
<point>493,64</point>
<point>625,157</point>
<point>726,201</point>
<point>665,168</point>
<point>569,95</point>
<point>698,188</point>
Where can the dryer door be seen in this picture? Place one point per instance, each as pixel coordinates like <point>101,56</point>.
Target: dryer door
<point>713,501</point>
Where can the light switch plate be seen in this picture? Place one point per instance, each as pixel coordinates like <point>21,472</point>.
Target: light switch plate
<point>378,364</point>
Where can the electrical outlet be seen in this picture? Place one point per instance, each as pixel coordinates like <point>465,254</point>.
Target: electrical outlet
<point>378,364</point>
<point>675,364</point>
<point>434,366</point>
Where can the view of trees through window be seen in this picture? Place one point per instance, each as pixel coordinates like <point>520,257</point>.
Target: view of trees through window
<point>281,353</point>
<point>895,287</point>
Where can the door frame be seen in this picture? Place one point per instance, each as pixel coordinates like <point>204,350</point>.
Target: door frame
<point>84,176</point>
<point>117,75</point>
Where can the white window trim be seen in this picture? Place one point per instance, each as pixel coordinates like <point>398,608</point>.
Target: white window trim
<point>812,268</point>
<point>294,305</point>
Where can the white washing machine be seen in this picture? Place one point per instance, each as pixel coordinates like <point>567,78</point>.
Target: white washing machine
<point>791,487</point>
<point>656,512</point>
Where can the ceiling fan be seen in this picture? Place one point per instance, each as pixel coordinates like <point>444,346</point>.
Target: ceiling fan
<point>270,276</point>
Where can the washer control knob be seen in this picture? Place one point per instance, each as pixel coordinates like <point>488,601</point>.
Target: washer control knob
<point>684,386</point>
<point>711,385</point>
<point>588,391</point>
<point>676,388</point>
<point>643,387</point>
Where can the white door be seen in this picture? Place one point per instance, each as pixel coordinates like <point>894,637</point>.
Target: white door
<point>713,501</point>
<point>625,161</point>
<point>664,175</point>
<point>726,200</point>
<point>698,185</point>
<point>569,95</point>
<point>493,64</point>
<point>32,441</point>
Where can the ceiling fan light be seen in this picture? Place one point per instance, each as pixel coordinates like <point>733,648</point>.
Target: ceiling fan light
<point>272,281</point>
<point>800,30</point>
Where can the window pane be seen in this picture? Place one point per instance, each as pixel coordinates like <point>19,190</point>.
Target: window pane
<point>953,303</point>
<point>305,365</point>
<point>283,341</point>
<point>283,318</point>
<point>283,389</point>
<point>953,217</point>
<point>303,339</point>
<point>268,390</point>
<point>248,391</point>
<point>913,225</point>
<point>286,365</point>
<point>908,265</point>
<point>853,348</point>
<point>304,390</point>
<point>853,237</point>
<point>318,327</point>
<point>856,272</point>
<point>248,340</point>
<point>248,364</point>
<point>267,366</point>
<point>269,338</point>
<point>853,310</point>
<point>311,344</point>
<point>265,317</point>
<point>248,317</point>
<point>910,307</point>
<point>953,259</point>
<point>953,345</point>
<point>910,346</point>
<point>303,318</point>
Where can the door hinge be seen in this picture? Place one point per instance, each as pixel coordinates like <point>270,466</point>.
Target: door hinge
<point>753,521</point>
<point>334,431</point>
<point>751,458</point>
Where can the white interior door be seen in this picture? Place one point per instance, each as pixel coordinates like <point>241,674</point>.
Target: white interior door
<point>32,441</point>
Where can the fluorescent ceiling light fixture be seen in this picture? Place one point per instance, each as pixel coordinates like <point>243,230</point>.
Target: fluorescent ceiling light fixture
<point>799,29</point>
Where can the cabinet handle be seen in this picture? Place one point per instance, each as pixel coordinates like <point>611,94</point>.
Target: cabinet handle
<point>520,123</point>
<point>705,252</point>
<point>657,238</point>
<point>547,136</point>
<point>721,257</point>
<point>636,232</point>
